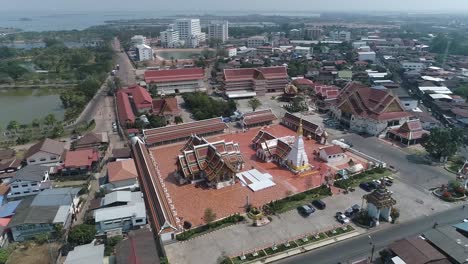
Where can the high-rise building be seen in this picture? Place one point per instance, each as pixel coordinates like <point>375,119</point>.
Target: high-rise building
<point>138,40</point>
<point>145,52</point>
<point>340,35</point>
<point>187,27</point>
<point>313,33</point>
<point>169,38</point>
<point>218,30</point>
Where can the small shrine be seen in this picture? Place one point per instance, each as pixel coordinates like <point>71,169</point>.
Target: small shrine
<point>297,160</point>
<point>379,204</point>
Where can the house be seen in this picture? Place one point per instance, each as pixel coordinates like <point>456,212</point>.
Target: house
<point>140,98</point>
<point>89,254</point>
<point>177,81</point>
<point>30,180</point>
<point>368,110</point>
<point>415,250</point>
<point>47,151</point>
<point>144,52</point>
<point>366,56</point>
<point>6,212</point>
<point>167,108</point>
<point>450,241</point>
<point>8,161</point>
<point>121,175</point>
<point>79,161</point>
<point>248,82</point>
<point>258,118</point>
<point>92,140</point>
<point>40,214</point>
<point>120,211</point>
<point>332,154</point>
<point>121,154</point>
<point>215,162</point>
<point>124,109</point>
<point>138,246</point>
<point>410,133</point>
<point>428,122</point>
<point>303,84</point>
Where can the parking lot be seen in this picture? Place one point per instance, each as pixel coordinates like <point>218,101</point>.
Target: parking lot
<point>413,203</point>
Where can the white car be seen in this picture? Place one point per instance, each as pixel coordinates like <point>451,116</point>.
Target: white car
<point>465,220</point>
<point>342,218</point>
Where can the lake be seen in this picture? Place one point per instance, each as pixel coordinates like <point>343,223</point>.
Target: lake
<point>178,55</point>
<point>25,104</point>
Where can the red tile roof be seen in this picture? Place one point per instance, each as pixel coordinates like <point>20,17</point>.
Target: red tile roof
<point>308,126</point>
<point>258,117</point>
<point>410,130</point>
<point>174,75</point>
<point>124,109</point>
<point>141,96</point>
<point>326,91</point>
<point>303,82</point>
<point>460,112</point>
<point>80,158</point>
<point>183,131</point>
<point>278,72</point>
<point>166,106</point>
<point>121,170</point>
<point>332,150</point>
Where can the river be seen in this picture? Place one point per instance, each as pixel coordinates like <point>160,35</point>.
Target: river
<point>26,104</point>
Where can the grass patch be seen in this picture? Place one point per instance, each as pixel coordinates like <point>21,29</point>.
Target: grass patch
<point>292,202</point>
<point>249,257</point>
<point>320,236</point>
<point>366,176</point>
<point>230,220</point>
<point>339,231</point>
<point>455,164</point>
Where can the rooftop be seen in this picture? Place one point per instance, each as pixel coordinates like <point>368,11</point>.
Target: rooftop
<point>139,247</point>
<point>80,158</point>
<point>134,208</point>
<point>46,145</point>
<point>121,170</point>
<point>174,75</point>
<point>89,254</point>
<point>414,250</point>
<point>31,173</point>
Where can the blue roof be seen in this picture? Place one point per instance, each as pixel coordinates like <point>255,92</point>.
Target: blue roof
<point>462,226</point>
<point>9,208</point>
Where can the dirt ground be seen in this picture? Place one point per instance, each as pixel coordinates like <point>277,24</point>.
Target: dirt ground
<point>34,254</point>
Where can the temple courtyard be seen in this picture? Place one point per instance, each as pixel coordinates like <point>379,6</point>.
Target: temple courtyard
<point>191,200</point>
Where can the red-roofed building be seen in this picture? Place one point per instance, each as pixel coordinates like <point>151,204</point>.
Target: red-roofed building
<point>258,80</point>
<point>176,81</point>
<point>332,154</point>
<point>411,132</point>
<point>258,118</point>
<point>368,110</point>
<point>124,109</point>
<point>140,98</point>
<point>325,96</point>
<point>80,161</point>
<point>167,108</point>
<point>303,84</point>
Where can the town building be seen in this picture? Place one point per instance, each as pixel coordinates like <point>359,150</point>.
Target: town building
<point>188,27</point>
<point>120,212</point>
<point>214,162</point>
<point>144,52</point>
<point>121,175</point>
<point>309,129</point>
<point>40,214</point>
<point>8,161</point>
<point>264,51</point>
<point>7,211</point>
<point>167,108</point>
<point>413,66</point>
<point>231,52</point>
<point>121,154</point>
<point>176,81</point>
<point>416,251</point>
<point>254,81</point>
<point>303,84</point>
<point>89,254</point>
<point>380,204</point>
<point>258,118</point>
<point>218,30</point>
<point>170,38</point>
<point>29,180</point>
<point>256,41</point>
<point>124,109</point>
<point>368,110</point>
<point>46,151</point>
<point>140,247</point>
<point>450,240</point>
<point>366,56</point>
<point>332,154</point>
<point>303,51</point>
<point>81,161</point>
<point>428,122</point>
<point>410,133</point>
<point>313,33</point>
<point>92,140</point>
<point>295,34</point>
<point>340,35</point>
<point>140,98</point>
<point>183,132</point>
<point>138,40</point>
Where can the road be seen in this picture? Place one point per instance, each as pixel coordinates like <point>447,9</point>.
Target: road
<point>412,170</point>
<point>126,73</point>
<point>360,247</point>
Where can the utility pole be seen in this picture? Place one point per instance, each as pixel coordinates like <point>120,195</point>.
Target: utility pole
<point>372,248</point>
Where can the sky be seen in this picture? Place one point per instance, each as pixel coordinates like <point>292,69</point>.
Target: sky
<point>459,6</point>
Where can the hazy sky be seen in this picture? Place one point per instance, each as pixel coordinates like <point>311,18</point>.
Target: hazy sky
<point>241,5</point>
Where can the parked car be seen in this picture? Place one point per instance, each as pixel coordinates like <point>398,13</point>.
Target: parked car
<point>356,208</point>
<point>365,186</point>
<point>305,210</point>
<point>319,204</point>
<point>341,218</point>
<point>349,212</point>
<point>372,185</point>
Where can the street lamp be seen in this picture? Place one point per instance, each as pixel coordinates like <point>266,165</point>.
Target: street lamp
<point>372,248</point>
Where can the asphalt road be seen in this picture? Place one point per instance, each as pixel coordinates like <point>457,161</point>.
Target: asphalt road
<point>412,170</point>
<point>126,73</point>
<point>360,247</point>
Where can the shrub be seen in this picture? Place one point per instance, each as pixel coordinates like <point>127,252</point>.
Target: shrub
<point>4,254</point>
<point>82,234</point>
<point>41,238</point>
<point>447,194</point>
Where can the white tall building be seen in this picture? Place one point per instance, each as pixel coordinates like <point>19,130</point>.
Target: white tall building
<point>218,30</point>
<point>145,52</point>
<point>256,41</point>
<point>169,38</point>
<point>187,27</point>
<point>340,35</point>
<point>297,160</point>
<point>138,40</point>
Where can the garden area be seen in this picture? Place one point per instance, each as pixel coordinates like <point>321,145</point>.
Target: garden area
<point>293,201</point>
<point>454,164</point>
<point>281,247</point>
<point>210,226</point>
<point>365,176</point>
<point>204,107</point>
<point>451,192</point>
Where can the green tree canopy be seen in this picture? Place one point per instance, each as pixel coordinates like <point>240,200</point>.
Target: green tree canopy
<point>204,107</point>
<point>13,125</point>
<point>254,103</point>
<point>50,119</point>
<point>82,234</point>
<point>443,143</point>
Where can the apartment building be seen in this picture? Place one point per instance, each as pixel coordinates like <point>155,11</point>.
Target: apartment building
<point>218,30</point>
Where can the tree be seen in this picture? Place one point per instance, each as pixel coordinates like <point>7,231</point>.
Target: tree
<point>178,120</point>
<point>209,216</point>
<point>89,87</point>
<point>13,125</point>
<point>153,89</point>
<point>254,103</point>
<point>58,131</point>
<point>82,234</point>
<point>50,120</point>
<point>443,143</point>
<point>462,91</point>
<point>156,121</point>
<point>4,254</point>
<point>36,122</point>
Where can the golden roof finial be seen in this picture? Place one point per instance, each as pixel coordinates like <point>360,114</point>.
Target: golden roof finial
<point>299,130</point>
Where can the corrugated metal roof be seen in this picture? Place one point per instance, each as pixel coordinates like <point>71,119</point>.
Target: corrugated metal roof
<point>134,208</point>
<point>9,208</point>
<point>89,254</point>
